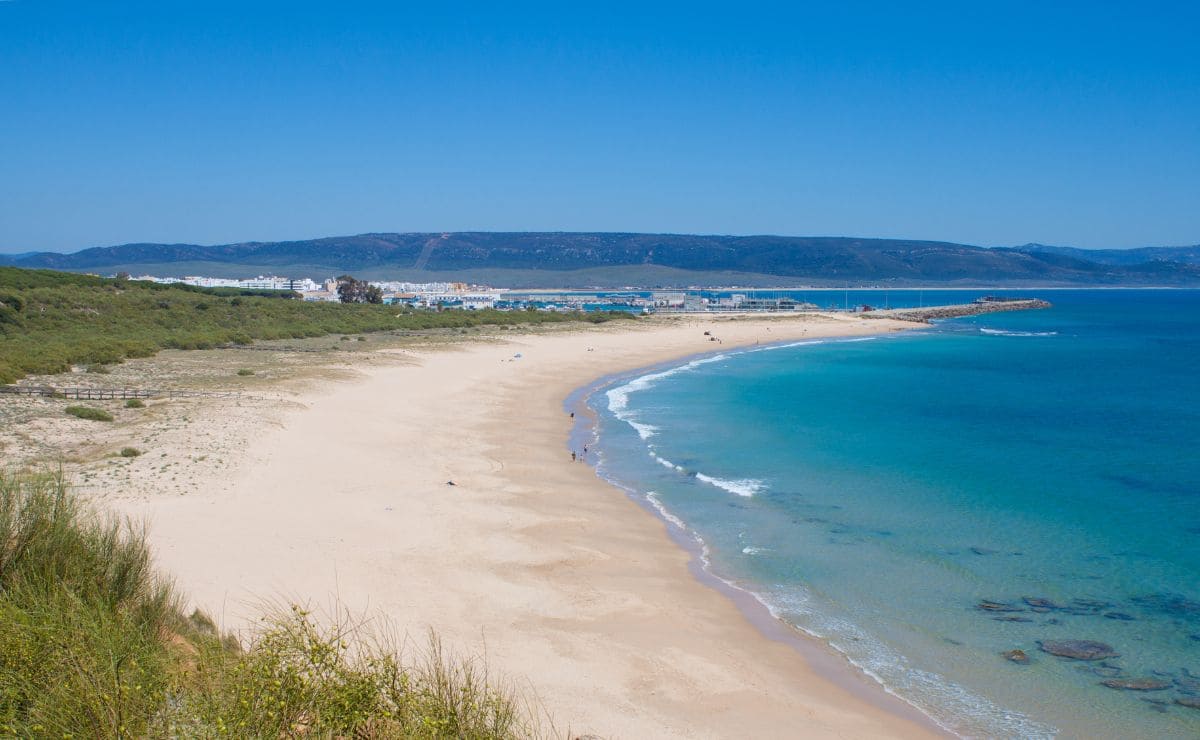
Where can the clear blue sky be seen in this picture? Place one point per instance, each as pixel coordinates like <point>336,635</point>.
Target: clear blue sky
<point>987,123</point>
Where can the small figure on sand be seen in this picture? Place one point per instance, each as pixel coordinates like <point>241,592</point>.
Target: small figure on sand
<point>572,414</point>
<point>451,483</point>
<point>573,455</point>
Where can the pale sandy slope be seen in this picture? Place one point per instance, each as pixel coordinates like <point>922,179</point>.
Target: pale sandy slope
<point>570,588</point>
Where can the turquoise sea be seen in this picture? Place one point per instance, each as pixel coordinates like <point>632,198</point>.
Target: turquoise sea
<point>925,502</point>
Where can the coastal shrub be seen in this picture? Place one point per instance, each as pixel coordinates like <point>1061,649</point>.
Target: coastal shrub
<point>98,369</point>
<point>50,321</point>
<point>135,403</point>
<point>93,643</point>
<point>89,413</point>
<point>245,371</point>
<point>130,452</point>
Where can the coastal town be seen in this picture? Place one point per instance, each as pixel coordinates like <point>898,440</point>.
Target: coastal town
<point>471,297</point>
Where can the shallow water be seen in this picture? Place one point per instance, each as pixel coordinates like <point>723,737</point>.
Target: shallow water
<point>875,493</point>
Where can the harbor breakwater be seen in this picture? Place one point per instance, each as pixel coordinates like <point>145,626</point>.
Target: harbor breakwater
<point>931,313</point>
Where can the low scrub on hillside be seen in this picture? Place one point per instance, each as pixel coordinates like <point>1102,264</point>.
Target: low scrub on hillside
<point>89,413</point>
<point>93,644</point>
<point>50,321</point>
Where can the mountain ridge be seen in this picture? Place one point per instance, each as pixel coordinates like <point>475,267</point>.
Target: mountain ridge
<point>620,257</point>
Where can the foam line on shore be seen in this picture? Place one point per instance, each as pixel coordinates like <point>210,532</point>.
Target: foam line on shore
<point>877,663</point>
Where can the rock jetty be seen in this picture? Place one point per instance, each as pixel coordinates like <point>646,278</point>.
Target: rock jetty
<point>949,312</point>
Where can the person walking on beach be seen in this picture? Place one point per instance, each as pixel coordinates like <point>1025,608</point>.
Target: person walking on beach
<point>572,455</point>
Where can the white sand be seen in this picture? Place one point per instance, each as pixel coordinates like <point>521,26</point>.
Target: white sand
<point>573,591</point>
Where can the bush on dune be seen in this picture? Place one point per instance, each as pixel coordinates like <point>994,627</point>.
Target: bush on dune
<point>89,413</point>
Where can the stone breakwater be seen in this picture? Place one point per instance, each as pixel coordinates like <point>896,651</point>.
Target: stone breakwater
<point>949,312</point>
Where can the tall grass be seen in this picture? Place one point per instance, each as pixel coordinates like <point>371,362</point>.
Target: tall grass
<point>93,644</point>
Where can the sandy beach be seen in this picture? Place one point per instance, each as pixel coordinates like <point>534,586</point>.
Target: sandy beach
<point>570,588</point>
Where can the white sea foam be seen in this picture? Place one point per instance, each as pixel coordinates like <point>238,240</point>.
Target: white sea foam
<point>618,398</point>
<point>645,431</point>
<point>745,487</point>
<point>665,462</point>
<point>1008,333</point>
<point>753,550</point>
<point>652,497</point>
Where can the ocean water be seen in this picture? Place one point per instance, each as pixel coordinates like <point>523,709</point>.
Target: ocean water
<point>875,493</point>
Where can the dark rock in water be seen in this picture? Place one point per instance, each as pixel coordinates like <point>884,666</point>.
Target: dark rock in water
<point>1188,685</point>
<point>1120,616</point>
<point>1158,705</point>
<point>1040,610</point>
<point>1040,603</point>
<point>1194,637</point>
<point>1137,684</point>
<point>1191,702</point>
<point>1053,621</point>
<point>1011,618</point>
<point>1016,656</point>
<point>1104,671</point>
<point>983,551</point>
<point>1078,649</point>
<point>997,606</point>
<point>1169,603</point>
<point>1093,604</point>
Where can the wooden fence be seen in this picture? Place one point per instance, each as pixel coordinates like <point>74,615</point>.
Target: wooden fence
<point>109,394</point>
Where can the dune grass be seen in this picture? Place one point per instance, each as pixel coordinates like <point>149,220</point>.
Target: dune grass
<point>93,643</point>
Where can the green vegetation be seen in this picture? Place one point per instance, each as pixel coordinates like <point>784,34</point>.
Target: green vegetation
<point>50,320</point>
<point>130,452</point>
<point>135,403</point>
<point>245,371</point>
<point>89,413</point>
<point>93,644</point>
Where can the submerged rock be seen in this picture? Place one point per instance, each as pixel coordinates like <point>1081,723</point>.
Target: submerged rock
<point>983,551</point>
<point>1040,603</point>
<point>1078,649</point>
<point>1120,616</point>
<point>1011,618</point>
<point>997,606</point>
<point>1137,684</point>
<point>1191,702</point>
<point>1170,603</point>
<point>1017,656</point>
<point>1103,670</point>
<point>1188,684</point>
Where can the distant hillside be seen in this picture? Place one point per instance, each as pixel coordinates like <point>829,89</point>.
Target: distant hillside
<point>608,259</point>
<point>1185,255</point>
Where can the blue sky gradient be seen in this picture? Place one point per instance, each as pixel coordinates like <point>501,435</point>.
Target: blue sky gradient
<point>984,123</point>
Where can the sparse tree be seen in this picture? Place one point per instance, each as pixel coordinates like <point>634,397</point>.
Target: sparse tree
<point>352,290</point>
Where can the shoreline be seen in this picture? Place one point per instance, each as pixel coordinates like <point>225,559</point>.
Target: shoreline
<point>535,563</point>
<point>827,661</point>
